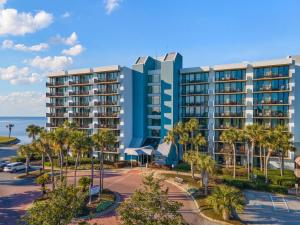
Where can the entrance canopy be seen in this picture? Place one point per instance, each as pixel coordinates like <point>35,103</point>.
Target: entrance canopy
<point>146,150</point>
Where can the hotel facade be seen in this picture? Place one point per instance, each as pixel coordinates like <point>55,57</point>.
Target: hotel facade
<point>140,104</point>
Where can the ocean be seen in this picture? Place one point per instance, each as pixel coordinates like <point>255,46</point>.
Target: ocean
<point>21,123</point>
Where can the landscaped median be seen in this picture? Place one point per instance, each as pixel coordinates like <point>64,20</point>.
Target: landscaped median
<point>192,188</point>
<point>8,141</point>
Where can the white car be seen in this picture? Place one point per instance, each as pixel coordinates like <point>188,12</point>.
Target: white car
<point>14,167</point>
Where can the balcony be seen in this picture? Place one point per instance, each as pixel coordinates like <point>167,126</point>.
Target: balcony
<point>57,104</point>
<point>229,78</point>
<point>108,114</point>
<point>228,114</point>
<point>196,104</point>
<point>105,92</point>
<point>271,114</point>
<point>183,82</point>
<point>55,114</point>
<point>270,75</point>
<point>194,115</point>
<point>52,125</point>
<point>227,126</point>
<point>78,93</point>
<point>270,88</point>
<point>107,126</point>
<point>272,102</point>
<point>78,104</point>
<point>52,84</point>
<point>106,103</point>
<point>238,90</point>
<point>55,94</point>
<point>79,82</point>
<point>106,80</point>
<point>80,114</point>
<point>230,103</point>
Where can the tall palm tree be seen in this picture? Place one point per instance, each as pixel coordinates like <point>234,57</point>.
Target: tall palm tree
<point>27,151</point>
<point>172,138</point>
<point>198,141</point>
<point>262,150</point>
<point>32,131</point>
<point>44,146</point>
<point>253,134</point>
<point>206,165</point>
<point>58,140</point>
<point>103,140</point>
<point>192,158</point>
<point>9,126</point>
<point>272,143</point>
<point>191,126</point>
<point>79,145</point>
<point>183,140</point>
<point>231,137</point>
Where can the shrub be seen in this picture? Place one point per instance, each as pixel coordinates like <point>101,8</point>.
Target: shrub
<point>84,182</point>
<point>183,167</point>
<point>18,159</point>
<point>103,205</point>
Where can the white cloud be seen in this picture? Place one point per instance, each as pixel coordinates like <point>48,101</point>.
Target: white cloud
<point>2,3</point>
<point>66,15</point>
<point>71,40</point>
<point>111,5</point>
<point>17,75</point>
<point>73,51</point>
<point>9,44</point>
<point>14,23</point>
<point>28,103</point>
<point>51,63</point>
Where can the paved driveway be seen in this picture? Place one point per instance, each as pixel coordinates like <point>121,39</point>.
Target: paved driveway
<point>265,208</point>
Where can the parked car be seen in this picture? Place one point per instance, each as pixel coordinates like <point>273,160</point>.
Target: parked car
<point>3,164</point>
<point>14,167</point>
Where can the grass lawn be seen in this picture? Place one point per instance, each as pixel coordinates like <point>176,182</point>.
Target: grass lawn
<point>200,198</point>
<point>5,140</point>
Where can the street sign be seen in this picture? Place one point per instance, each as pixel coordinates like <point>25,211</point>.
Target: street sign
<point>94,190</point>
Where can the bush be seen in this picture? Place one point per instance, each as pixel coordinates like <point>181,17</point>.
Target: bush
<point>103,205</point>
<point>183,167</point>
<point>18,159</point>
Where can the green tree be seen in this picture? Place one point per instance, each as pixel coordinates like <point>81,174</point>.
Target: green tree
<point>150,206</point>
<point>79,145</point>
<point>43,180</point>
<point>231,137</point>
<point>58,141</point>
<point>272,143</point>
<point>206,164</point>
<point>60,208</point>
<point>183,140</point>
<point>198,141</point>
<point>103,141</point>
<point>26,151</point>
<point>191,127</point>
<point>225,200</point>
<point>252,134</point>
<point>85,182</point>
<point>32,131</point>
<point>172,138</point>
<point>192,158</point>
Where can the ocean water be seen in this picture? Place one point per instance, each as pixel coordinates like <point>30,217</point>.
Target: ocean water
<point>21,123</point>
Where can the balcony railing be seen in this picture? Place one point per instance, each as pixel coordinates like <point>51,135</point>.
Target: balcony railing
<point>55,94</point>
<point>231,78</point>
<point>78,103</point>
<point>52,125</point>
<point>271,114</point>
<point>194,81</point>
<point>58,83</point>
<point>230,90</point>
<point>113,114</point>
<point>106,80</point>
<point>228,114</point>
<point>269,101</point>
<point>78,93</point>
<point>194,115</point>
<point>270,88</point>
<point>229,103</point>
<point>55,114</point>
<point>78,82</point>
<point>106,126</point>
<point>57,104</point>
<point>106,103</point>
<point>270,75</point>
<point>195,103</point>
<point>227,126</point>
<point>81,114</point>
<point>107,91</point>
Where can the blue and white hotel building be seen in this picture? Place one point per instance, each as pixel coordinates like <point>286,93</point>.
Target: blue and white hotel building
<point>140,104</point>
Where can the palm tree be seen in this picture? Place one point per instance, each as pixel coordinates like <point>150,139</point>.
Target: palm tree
<point>79,145</point>
<point>58,140</point>
<point>262,150</point>
<point>191,126</point>
<point>103,140</point>
<point>192,158</point>
<point>253,134</point>
<point>172,138</point>
<point>225,200</point>
<point>272,143</point>
<point>206,165</point>
<point>231,137</point>
<point>183,140</point>
<point>44,146</point>
<point>198,141</point>
<point>27,151</point>
<point>32,131</point>
<point>9,126</point>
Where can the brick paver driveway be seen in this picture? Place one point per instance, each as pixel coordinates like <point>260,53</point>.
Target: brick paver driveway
<point>266,208</point>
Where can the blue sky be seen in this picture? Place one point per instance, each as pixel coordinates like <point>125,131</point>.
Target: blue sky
<point>40,36</point>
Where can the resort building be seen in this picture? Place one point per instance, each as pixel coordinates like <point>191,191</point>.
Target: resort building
<point>142,103</point>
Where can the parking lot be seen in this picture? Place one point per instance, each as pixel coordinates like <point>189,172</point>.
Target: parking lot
<point>266,208</point>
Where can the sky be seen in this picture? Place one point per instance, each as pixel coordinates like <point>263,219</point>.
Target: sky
<point>37,37</point>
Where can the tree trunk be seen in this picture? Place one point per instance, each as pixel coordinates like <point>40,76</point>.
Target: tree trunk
<point>206,183</point>
<point>61,166</point>
<point>252,158</point>
<point>67,164</point>
<point>92,169</point>
<point>27,165</point>
<point>185,148</point>
<point>43,162</point>
<point>260,159</point>
<point>177,152</point>
<point>281,158</point>
<point>9,132</point>
<point>100,174</point>
<point>192,171</point>
<point>225,214</point>
<point>234,161</point>
<point>52,171</point>
<point>266,166</point>
<point>75,171</point>
<point>248,162</point>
